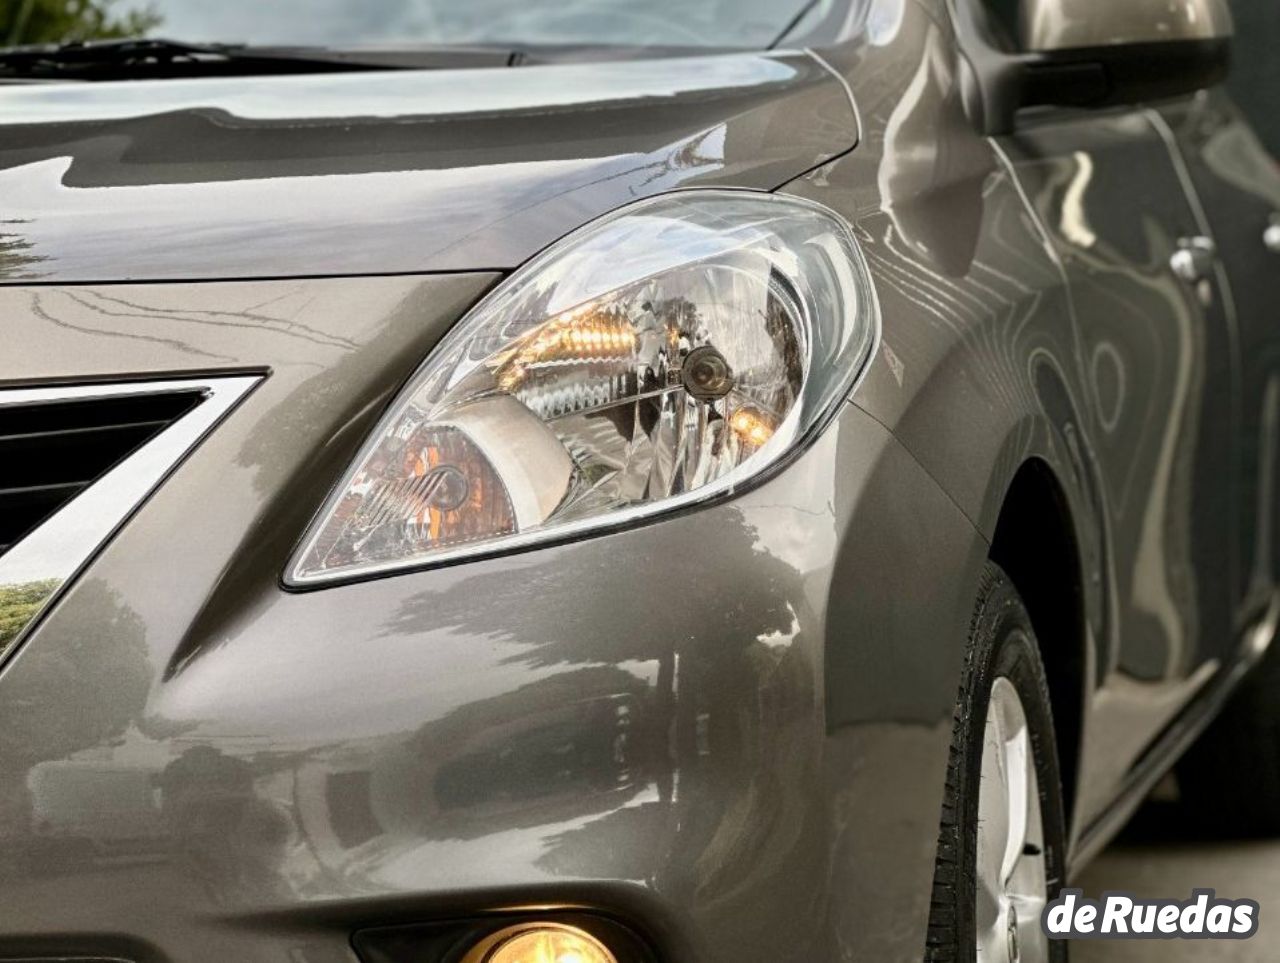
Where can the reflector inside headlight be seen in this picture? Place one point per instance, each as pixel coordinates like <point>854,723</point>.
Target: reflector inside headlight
<point>662,355</point>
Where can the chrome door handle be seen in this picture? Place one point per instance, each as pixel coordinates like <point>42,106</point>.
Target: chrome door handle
<point>1194,259</point>
<point>1271,236</point>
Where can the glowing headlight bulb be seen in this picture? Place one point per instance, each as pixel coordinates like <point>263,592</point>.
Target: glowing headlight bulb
<point>752,426</point>
<point>550,944</point>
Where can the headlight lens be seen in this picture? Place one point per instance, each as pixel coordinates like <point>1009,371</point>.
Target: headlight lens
<point>662,355</point>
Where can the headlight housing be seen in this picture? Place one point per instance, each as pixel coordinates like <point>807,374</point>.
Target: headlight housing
<point>663,355</point>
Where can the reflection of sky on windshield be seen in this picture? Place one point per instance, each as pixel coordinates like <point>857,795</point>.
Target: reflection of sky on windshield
<point>745,23</point>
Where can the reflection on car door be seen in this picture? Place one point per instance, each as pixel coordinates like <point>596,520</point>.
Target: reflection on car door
<point>1157,440</point>
<point>1239,182</point>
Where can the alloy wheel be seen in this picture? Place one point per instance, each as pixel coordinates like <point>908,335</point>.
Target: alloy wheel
<point>1011,884</point>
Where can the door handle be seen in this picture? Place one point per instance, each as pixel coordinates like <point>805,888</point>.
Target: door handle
<point>1271,236</point>
<point>1194,259</point>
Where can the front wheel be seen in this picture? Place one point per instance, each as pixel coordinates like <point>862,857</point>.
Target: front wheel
<point>1001,845</point>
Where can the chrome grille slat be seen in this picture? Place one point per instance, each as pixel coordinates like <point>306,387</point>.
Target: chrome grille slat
<point>52,451</point>
<point>86,496</point>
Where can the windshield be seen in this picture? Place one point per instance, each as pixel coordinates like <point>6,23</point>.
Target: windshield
<point>349,23</point>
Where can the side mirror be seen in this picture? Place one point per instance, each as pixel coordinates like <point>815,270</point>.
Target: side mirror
<point>1091,53</point>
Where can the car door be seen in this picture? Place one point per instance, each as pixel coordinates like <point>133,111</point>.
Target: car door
<point>1156,432</point>
<point>1237,177</point>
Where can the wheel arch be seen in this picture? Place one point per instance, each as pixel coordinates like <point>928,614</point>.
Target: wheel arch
<point>1035,542</point>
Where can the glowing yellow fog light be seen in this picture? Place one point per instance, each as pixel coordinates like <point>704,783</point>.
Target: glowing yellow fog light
<point>549,943</point>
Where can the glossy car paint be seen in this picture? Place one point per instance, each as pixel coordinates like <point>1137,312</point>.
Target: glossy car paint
<point>574,725</point>
<point>1159,450</point>
<point>1031,315</point>
<point>1238,184</point>
<point>386,173</point>
<point>728,728</point>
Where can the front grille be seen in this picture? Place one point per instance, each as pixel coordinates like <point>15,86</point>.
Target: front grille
<point>51,451</point>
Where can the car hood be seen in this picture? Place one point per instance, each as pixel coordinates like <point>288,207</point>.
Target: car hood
<point>385,172</point>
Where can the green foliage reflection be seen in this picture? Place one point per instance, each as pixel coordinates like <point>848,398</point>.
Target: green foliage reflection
<point>19,604</point>
<point>58,21</point>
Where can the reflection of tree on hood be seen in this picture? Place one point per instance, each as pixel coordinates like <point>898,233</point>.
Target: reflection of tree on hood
<point>57,21</point>
<point>17,257</point>
<point>18,604</point>
<point>56,705</point>
<point>62,708</point>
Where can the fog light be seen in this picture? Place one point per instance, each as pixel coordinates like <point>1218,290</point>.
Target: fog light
<point>547,943</point>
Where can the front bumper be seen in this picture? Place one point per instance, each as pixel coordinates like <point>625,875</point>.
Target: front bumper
<point>727,729</point>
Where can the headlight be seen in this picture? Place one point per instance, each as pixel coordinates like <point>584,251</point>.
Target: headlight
<point>663,355</point>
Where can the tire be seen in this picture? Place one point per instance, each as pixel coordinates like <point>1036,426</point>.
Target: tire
<point>1229,780</point>
<point>1002,661</point>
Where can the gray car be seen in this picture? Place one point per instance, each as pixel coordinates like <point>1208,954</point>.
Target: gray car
<point>597,482</point>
